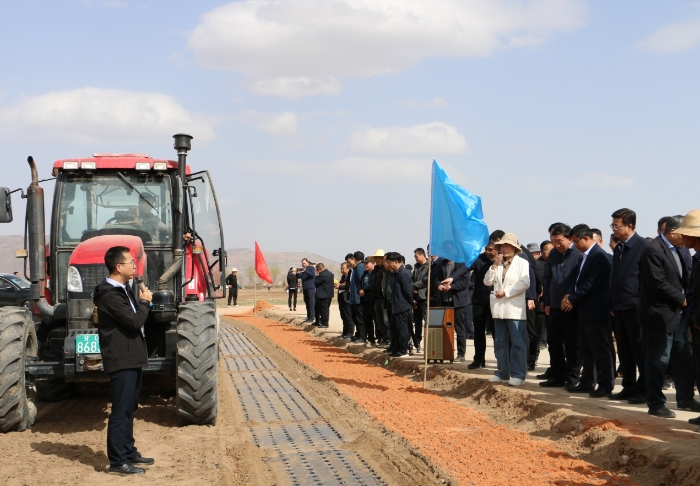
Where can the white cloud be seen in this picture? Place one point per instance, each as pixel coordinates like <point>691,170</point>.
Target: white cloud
<point>296,48</point>
<point>295,88</point>
<point>284,123</point>
<point>436,102</point>
<point>363,169</point>
<point>673,38</point>
<point>379,171</point>
<point>429,139</point>
<point>99,116</point>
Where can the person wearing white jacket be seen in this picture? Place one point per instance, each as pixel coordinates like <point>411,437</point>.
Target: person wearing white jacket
<point>510,277</point>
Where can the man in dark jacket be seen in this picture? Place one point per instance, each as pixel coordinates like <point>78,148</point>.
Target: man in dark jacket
<point>356,262</point>
<point>292,289</point>
<point>481,304</point>
<point>307,276</point>
<point>324,293</point>
<point>232,284</point>
<point>381,319</point>
<point>401,304</point>
<point>663,278</point>
<point>367,301</point>
<point>531,297</point>
<point>452,282</point>
<point>123,346</point>
<point>624,300</point>
<point>562,329</point>
<point>589,297</point>
<point>420,273</point>
<point>344,301</point>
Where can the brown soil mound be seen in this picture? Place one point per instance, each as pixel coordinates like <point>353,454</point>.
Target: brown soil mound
<point>466,443</point>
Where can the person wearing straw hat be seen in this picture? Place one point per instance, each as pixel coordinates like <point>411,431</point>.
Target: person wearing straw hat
<point>232,284</point>
<point>510,277</point>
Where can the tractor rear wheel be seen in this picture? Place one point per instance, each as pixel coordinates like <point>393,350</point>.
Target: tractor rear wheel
<point>197,363</point>
<point>17,341</point>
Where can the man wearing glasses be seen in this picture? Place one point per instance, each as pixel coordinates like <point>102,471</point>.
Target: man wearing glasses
<point>123,345</point>
<point>624,299</point>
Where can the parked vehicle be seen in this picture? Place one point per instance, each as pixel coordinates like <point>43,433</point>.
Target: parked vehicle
<point>14,290</point>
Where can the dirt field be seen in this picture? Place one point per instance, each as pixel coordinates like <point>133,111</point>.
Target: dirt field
<point>463,428</point>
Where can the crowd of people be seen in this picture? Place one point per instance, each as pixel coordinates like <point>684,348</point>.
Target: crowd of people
<point>632,313</point>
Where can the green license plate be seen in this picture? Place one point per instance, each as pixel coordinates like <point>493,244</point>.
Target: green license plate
<point>87,344</point>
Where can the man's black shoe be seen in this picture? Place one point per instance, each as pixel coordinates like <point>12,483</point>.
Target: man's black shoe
<point>345,336</point>
<point>399,354</point>
<point>476,364</point>
<point>531,367</point>
<point>695,421</point>
<point>323,326</point>
<point>127,468</point>
<point>693,405</point>
<point>637,399</point>
<point>662,412</point>
<point>546,375</point>
<point>357,340</point>
<point>599,393</point>
<point>579,388</point>
<point>552,383</point>
<point>623,394</point>
<point>142,461</point>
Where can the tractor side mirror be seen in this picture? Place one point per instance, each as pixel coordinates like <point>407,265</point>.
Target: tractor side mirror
<point>5,205</point>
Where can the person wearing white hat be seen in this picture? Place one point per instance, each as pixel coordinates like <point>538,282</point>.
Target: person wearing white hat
<point>232,284</point>
<point>510,278</point>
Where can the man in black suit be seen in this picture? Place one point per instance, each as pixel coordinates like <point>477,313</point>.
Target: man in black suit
<point>562,329</point>
<point>589,299</point>
<point>663,278</point>
<point>452,281</point>
<point>401,304</point>
<point>120,325</point>
<point>344,301</point>
<point>624,299</point>
<point>481,304</point>
<point>324,293</point>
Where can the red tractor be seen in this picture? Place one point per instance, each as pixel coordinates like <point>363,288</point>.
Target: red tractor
<point>169,219</point>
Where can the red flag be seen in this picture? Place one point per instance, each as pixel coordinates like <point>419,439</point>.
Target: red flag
<point>261,267</point>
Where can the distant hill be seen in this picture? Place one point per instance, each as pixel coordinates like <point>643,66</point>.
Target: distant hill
<point>241,258</point>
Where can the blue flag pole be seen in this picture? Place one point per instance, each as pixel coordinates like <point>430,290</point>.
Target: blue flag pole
<point>457,229</point>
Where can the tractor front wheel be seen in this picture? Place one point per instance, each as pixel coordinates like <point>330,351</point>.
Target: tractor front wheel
<point>197,363</point>
<point>17,341</point>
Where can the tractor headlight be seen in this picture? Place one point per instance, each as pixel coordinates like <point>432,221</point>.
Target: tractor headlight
<point>75,282</point>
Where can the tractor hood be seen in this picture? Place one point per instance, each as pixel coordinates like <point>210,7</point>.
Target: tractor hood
<point>92,251</point>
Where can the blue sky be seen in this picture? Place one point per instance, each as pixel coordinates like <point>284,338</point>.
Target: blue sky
<point>319,119</point>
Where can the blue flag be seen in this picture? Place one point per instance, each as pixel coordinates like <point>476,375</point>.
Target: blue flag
<point>457,228</point>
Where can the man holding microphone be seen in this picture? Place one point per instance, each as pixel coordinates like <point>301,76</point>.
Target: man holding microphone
<point>123,345</point>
